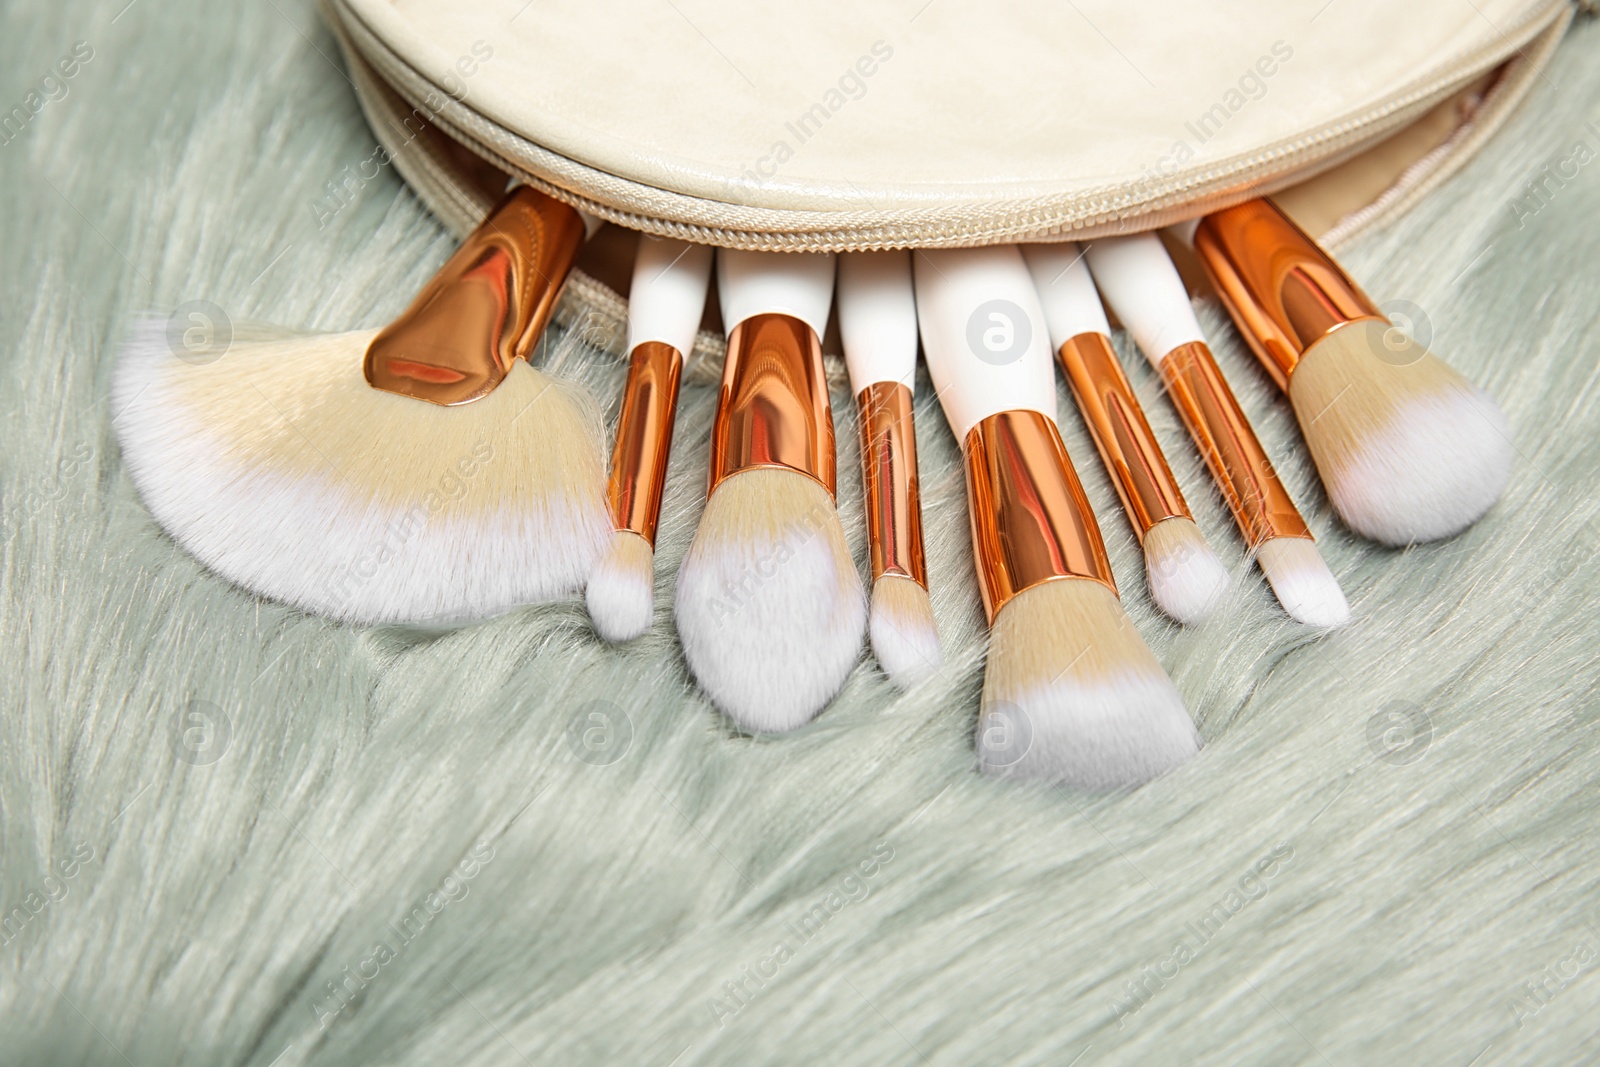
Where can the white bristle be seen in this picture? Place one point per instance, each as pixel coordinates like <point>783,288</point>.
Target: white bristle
<point>279,468</point>
<point>1186,577</point>
<point>621,591</point>
<point>1409,450</point>
<point>905,639</point>
<point>1072,694</point>
<point>1302,581</point>
<point>769,607</point>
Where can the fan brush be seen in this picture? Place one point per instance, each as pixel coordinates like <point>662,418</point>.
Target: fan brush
<point>420,473</point>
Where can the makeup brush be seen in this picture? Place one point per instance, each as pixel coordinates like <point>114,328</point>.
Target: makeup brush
<point>1185,577</point>
<point>420,473</point>
<point>769,606</point>
<point>1071,693</point>
<point>1143,288</point>
<point>665,302</point>
<point>1408,449</point>
<point>878,322</point>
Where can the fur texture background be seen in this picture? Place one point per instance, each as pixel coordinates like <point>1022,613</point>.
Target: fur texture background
<point>569,858</point>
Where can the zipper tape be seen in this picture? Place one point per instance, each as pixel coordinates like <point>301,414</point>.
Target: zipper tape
<point>1114,209</point>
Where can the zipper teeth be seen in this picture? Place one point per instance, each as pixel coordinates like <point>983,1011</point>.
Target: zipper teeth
<point>1095,213</point>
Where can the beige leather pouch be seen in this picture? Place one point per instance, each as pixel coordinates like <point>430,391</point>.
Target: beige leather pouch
<point>925,123</point>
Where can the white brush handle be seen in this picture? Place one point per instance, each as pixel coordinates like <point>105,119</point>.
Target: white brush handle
<point>1142,286</point>
<point>1071,304</point>
<point>984,335</point>
<point>668,295</point>
<point>878,318</point>
<point>798,284</point>
<point>1184,231</point>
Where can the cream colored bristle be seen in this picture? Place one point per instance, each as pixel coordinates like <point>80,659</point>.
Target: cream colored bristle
<point>621,591</point>
<point>905,639</point>
<point>1186,578</point>
<point>769,606</point>
<point>1302,582</point>
<point>279,467</point>
<point>1072,694</point>
<point>1408,449</point>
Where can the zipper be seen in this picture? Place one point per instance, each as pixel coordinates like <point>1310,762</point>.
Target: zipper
<point>1122,208</point>
<point>1481,123</point>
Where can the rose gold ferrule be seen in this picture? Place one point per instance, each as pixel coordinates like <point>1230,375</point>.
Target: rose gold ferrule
<point>644,438</point>
<point>1284,292</point>
<point>1138,469</point>
<point>889,479</point>
<point>485,308</point>
<point>1259,502</point>
<point>773,411</point>
<point>1031,522</point>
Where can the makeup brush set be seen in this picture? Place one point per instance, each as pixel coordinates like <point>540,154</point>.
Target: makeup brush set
<point>304,468</point>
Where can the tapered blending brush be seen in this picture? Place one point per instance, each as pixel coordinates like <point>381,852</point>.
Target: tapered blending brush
<point>769,606</point>
<point>1071,693</point>
<point>1185,577</point>
<point>423,472</point>
<point>1143,288</point>
<point>665,302</point>
<point>878,322</point>
<point>1408,449</point>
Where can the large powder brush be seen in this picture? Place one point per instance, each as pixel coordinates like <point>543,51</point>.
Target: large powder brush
<point>769,606</point>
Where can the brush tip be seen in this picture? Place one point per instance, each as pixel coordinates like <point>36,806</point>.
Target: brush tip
<point>905,638</point>
<point>621,590</point>
<point>1186,578</point>
<point>769,606</point>
<point>1073,695</point>
<point>280,468</point>
<point>1302,582</point>
<point>1410,451</point>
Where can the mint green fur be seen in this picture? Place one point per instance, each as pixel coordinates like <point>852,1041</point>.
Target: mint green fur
<point>851,894</point>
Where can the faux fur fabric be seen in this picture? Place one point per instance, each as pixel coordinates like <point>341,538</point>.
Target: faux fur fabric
<point>236,834</point>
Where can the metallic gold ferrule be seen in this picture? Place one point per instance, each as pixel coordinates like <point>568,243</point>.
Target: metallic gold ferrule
<point>1138,469</point>
<point>1259,502</point>
<point>485,308</point>
<point>889,478</point>
<point>1031,522</point>
<point>773,410</point>
<point>1284,292</point>
<point>644,438</point>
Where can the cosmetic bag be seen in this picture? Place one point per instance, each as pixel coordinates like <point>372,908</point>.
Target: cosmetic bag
<point>934,123</point>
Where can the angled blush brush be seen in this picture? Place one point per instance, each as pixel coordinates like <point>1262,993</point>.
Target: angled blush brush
<point>419,473</point>
<point>1408,449</point>
<point>1185,577</point>
<point>1142,286</point>
<point>878,322</point>
<point>769,606</point>
<point>1071,693</point>
<point>665,302</point>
